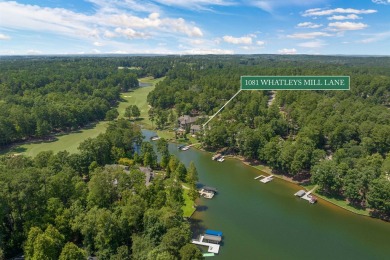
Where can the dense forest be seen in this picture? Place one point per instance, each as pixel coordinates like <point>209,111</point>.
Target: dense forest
<point>42,95</point>
<point>69,206</point>
<point>339,138</point>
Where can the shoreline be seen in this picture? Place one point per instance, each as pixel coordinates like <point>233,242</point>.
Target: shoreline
<point>268,171</point>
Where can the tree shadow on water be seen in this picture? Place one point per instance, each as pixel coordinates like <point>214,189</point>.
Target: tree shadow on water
<point>197,227</point>
<point>201,208</point>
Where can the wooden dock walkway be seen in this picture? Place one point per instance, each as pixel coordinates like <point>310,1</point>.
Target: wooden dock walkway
<point>267,179</point>
<point>261,176</point>
<point>213,248</point>
<point>308,195</point>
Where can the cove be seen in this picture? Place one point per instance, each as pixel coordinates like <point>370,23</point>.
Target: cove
<point>266,221</point>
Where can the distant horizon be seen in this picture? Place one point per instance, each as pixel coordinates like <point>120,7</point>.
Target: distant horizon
<point>194,27</point>
<point>211,54</point>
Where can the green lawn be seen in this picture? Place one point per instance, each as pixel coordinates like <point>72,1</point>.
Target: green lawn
<point>345,205</point>
<point>138,98</point>
<point>70,142</point>
<point>189,207</point>
<point>166,134</point>
<point>339,202</point>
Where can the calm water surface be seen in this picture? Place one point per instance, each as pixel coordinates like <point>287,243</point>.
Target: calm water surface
<point>266,221</point>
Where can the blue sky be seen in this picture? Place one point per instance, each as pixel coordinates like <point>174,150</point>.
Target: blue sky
<point>359,27</point>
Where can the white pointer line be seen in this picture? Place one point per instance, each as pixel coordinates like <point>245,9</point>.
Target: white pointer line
<point>221,108</point>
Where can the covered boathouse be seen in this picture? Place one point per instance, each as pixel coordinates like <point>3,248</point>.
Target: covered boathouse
<point>212,239</point>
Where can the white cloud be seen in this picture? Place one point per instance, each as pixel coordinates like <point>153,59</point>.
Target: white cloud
<point>152,21</point>
<point>376,37</point>
<point>271,5</point>
<point>4,37</point>
<point>115,6</point>
<point>287,51</point>
<point>260,43</point>
<point>102,23</point>
<point>180,25</point>
<point>346,26</point>
<point>35,18</point>
<point>312,44</point>
<point>237,40</point>
<point>98,44</point>
<point>309,25</point>
<point>109,34</point>
<point>195,4</point>
<point>197,41</point>
<point>383,2</point>
<point>207,51</point>
<point>33,52</point>
<point>310,35</point>
<point>130,33</point>
<point>344,17</point>
<point>321,12</point>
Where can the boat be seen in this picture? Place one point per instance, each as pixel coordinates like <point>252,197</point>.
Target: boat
<point>312,198</point>
<point>155,138</point>
<point>185,148</point>
<point>208,192</point>
<point>221,159</point>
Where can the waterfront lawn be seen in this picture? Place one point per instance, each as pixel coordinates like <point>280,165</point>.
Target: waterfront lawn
<point>344,204</point>
<point>264,168</point>
<point>339,202</point>
<point>167,135</point>
<point>189,205</point>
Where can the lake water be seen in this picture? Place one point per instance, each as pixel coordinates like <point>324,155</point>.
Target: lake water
<point>266,221</point>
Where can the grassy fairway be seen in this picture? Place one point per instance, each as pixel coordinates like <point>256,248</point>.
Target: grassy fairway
<point>68,142</point>
<point>71,141</point>
<point>138,98</point>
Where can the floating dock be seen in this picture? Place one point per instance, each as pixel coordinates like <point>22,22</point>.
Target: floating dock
<point>261,176</point>
<point>185,148</point>
<point>307,195</point>
<point>267,179</point>
<point>212,248</point>
<point>208,192</point>
<point>221,159</point>
<point>216,157</point>
<point>300,193</point>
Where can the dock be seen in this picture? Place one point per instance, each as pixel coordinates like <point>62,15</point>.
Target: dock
<point>267,179</point>
<point>216,157</point>
<point>208,192</point>
<point>155,138</point>
<point>307,195</point>
<point>185,148</point>
<point>261,176</point>
<point>212,248</point>
<point>221,159</point>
